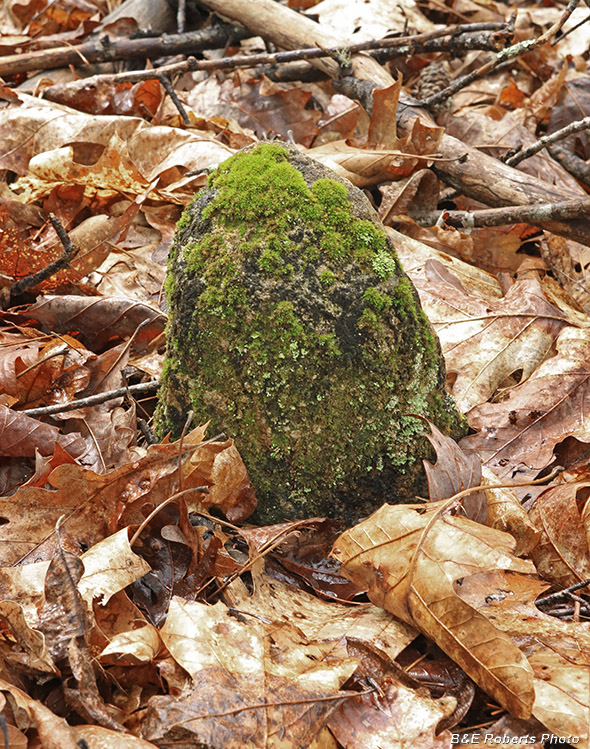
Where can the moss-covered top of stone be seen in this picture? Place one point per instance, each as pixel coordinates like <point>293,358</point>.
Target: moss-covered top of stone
<point>265,192</point>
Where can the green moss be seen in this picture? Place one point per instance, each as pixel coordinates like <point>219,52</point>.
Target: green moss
<point>377,301</point>
<point>368,320</point>
<point>298,334</point>
<point>184,220</point>
<point>384,265</point>
<point>327,278</point>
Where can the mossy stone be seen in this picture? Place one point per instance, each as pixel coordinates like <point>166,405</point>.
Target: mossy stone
<point>294,329</point>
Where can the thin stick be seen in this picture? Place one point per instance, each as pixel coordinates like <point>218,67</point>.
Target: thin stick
<point>404,43</point>
<point>514,214</point>
<point>33,279</point>
<point>181,16</point>
<point>165,81</point>
<point>547,140</point>
<point>143,388</point>
<point>106,49</point>
<point>156,510</point>
<point>561,593</point>
<point>505,55</point>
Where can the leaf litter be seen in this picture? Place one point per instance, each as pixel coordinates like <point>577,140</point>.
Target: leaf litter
<point>135,610</point>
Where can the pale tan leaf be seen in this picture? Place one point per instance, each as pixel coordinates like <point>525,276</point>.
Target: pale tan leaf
<point>368,19</point>
<point>562,695</point>
<point>363,167</point>
<point>398,719</point>
<point>25,584</point>
<point>453,472</point>
<point>97,737</point>
<point>105,154</point>
<point>139,645</point>
<point>110,566</point>
<point>318,619</point>
<point>485,342</point>
<point>415,255</point>
<point>556,650</point>
<point>31,652</point>
<point>255,684</point>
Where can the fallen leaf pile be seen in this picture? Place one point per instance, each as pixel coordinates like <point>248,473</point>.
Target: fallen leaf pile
<point>137,606</point>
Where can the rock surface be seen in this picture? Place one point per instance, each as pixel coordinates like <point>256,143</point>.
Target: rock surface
<point>295,330</point>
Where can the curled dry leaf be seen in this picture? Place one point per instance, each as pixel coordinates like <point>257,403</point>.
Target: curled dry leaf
<point>400,717</point>
<point>415,255</point>
<point>32,365</point>
<point>486,342</point>
<point>453,472</point>
<point>26,649</point>
<point>21,435</point>
<point>363,167</point>
<point>100,320</point>
<point>55,733</point>
<point>132,646</point>
<point>409,557</point>
<point>275,108</point>
<point>94,503</point>
<point>505,513</point>
<point>108,154</point>
<point>110,566</point>
<point>361,20</point>
<point>64,616</point>
<point>219,466</point>
<point>319,619</point>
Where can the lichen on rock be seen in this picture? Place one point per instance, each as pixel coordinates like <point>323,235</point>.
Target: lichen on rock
<point>295,330</point>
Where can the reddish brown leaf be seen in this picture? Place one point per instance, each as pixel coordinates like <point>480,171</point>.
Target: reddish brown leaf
<point>100,321</point>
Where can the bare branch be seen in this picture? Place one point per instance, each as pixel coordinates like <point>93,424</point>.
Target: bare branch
<point>514,214</point>
<point>547,140</point>
<point>143,388</point>
<point>33,279</point>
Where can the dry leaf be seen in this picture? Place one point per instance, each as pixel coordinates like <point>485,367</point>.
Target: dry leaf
<point>409,557</point>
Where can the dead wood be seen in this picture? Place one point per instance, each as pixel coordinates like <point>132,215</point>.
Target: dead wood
<point>106,49</point>
<point>474,173</point>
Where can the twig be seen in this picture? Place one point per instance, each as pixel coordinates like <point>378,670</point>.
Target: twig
<point>33,279</point>
<point>569,161</point>
<point>457,43</point>
<point>147,433</point>
<point>165,81</point>
<point>547,140</point>
<point>561,593</point>
<point>301,71</point>
<point>404,45</point>
<point>505,55</point>
<point>143,388</point>
<point>105,49</point>
<point>514,214</point>
<point>571,30</point>
<point>177,495</point>
<point>181,16</point>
